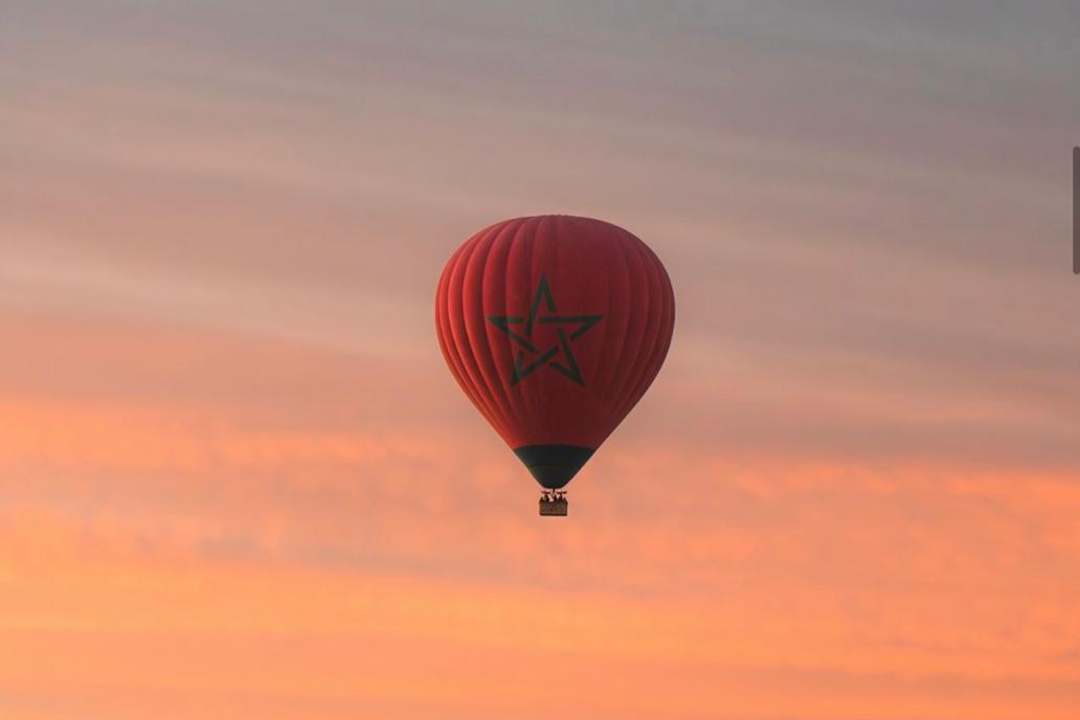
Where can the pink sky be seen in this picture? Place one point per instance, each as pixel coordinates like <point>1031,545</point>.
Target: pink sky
<point>236,479</point>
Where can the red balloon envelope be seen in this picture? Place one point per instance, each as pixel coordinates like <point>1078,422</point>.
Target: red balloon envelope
<point>554,326</point>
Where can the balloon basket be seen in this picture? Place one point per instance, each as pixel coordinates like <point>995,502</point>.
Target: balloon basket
<point>553,504</point>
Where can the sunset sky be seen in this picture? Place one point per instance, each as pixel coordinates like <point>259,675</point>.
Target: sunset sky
<point>237,480</point>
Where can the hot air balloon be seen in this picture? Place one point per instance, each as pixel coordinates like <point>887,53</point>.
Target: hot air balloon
<point>554,326</point>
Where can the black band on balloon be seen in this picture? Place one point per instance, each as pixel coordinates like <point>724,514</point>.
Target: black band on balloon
<point>553,465</point>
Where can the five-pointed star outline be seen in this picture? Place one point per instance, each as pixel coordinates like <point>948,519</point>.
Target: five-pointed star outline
<point>524,339</point>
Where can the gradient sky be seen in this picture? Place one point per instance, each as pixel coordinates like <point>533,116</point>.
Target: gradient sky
<point>237,480</point>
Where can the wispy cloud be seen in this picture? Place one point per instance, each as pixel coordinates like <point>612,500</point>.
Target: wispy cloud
<point>238,482</point>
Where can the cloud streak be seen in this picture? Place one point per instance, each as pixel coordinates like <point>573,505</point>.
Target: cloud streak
<point>237,480</point>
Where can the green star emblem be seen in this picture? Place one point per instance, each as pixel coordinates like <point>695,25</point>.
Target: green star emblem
<point>567,329</point>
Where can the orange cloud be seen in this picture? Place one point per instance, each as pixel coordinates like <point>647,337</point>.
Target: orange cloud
<point>90,619</point>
